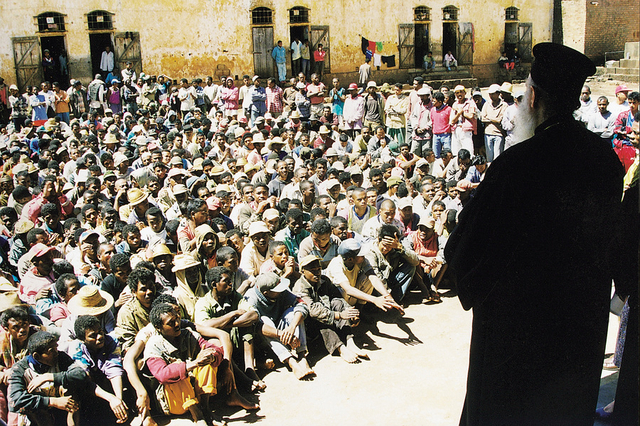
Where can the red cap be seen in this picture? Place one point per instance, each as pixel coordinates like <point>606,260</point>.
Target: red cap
<point>353,86</point>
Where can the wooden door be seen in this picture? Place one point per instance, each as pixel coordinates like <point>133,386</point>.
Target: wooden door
<point>26,56</point>
<point>406,45</point>
<point>465,46</point>
<point>320,34</point>
<point>525,41</point>
<point>127,48</point>
<point>263,63</point>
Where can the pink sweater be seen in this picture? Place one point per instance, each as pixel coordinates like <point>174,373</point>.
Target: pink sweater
<point>440,120</point>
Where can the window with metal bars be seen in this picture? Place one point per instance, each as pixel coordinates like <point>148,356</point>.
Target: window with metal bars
<point>50,22</point>
<point>99,20</point>
<point>450,13</point>
<point>261,16</point>
<point>511,14</point>
<point>299,15</point>
<point>422,13</point>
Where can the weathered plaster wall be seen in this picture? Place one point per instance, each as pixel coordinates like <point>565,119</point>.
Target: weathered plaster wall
<point>574,18</point>
<point>192,38</point>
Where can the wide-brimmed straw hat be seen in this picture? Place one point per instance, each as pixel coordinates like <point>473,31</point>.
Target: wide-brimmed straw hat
<point>90,300</point>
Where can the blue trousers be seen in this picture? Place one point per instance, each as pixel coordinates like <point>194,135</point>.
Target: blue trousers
<point>400,281</point>
<point>440,141</point>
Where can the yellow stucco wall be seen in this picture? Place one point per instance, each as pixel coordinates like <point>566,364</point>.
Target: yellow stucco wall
<point>190,38</point>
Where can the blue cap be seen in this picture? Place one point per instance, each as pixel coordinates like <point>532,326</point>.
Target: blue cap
<point>352,247</point>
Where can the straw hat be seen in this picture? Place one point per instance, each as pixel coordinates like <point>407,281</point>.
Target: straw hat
<point>23,226</point>
<point>8,295</point>
<point>90,300</point>
<point>184,261</point>
<point>136,196</point>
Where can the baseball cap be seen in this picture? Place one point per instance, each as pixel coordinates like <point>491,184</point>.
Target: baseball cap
<point>271,282</point>
<point>494,88</point>
<point>309,259</point>
<point>352,247</point>
<point>270,214</point>
<point>258,228</point>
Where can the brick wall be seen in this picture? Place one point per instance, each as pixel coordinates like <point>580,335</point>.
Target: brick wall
<point>609,24</point>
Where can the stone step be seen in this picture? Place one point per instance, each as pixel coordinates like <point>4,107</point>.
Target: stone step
<point>612,64</point>
<point>619,77</point>
<point>629,63</point>
<point>627,71</point>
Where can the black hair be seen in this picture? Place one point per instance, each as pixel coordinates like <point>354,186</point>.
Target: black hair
<point>16,312</point>
<point>294,214</point>
<point>118,260</point>
<point>464,154</point>
<point>128,230</point>
<point>140,274</point>
<point>315,212</point>
<point>62,267</point>
<point>375,172</point>
<point>84,323</point>
<point>224,253</point>
<point>402,191</point>
<point>273,245</point>
<point>478,159</point>
<point>439,96</point>
<point>321,227</point>
<point>388,231</point>
<point>32,235</point>
<point>20,192</point>
<point>155,316</point>
<point>172,226</point>
<point>164,298</point>
<point>9,211</point>
<point>86,208</point>
<point>194,205</point>
<point>61,283</point>
<point>49,208</point>
<point>337,221</point>
<point>214,275</point>
<point>40,341</point>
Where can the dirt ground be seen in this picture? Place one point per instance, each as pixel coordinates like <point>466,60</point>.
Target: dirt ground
<point>416,375</point>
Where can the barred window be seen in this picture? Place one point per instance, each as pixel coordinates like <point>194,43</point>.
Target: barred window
<point>511,14</point>
<point>299,15</point>
<point>261,16</point>
<point>50,22</point>
<point>99,20</point>
<point>422,13</point>
<point>450,13</point>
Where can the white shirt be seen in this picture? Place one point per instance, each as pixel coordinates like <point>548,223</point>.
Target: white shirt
<point>187,98</point>
<point>107,61</point>
<point>295,50</point>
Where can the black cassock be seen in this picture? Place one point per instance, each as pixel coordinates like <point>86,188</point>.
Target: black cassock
<point>530,256</point>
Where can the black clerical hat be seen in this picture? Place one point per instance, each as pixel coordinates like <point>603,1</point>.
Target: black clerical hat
<point>560,69</point>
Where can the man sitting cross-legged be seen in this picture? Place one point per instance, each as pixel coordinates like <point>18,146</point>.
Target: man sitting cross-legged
<point>175,355</point>
<point>329,314</point>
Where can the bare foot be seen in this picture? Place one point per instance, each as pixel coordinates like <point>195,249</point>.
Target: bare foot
<point>237,400</point>
<point>354,348</point>
<point>148,421</point>
<point>301,369</point>
<point>348,355</point>
<point>268,364</point>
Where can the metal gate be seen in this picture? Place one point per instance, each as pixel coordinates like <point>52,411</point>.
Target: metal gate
<point>406,45</point>
<point>26,56</point>
<point>263,63</point>
<point>320,34</point>
<point>127,48</point>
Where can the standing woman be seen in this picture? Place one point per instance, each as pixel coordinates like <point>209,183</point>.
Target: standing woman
<point>229,97</point>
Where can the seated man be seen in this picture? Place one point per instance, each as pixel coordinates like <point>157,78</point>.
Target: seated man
<point>391,262</point>
<point>294,232</point>
<point>282,316</point>
<point>54,306</point>
<point>228,257</point>
<point>280,262</point>
<point>386,215</point>
<point>40,276</point>
<point>39,381</point>
<point>321,242</point>
<point>220,309</point>
<point>134,314</point>
<point>424,242</point>
<point>99,355</point>
<point>329,314</point>
<point>175,354</point>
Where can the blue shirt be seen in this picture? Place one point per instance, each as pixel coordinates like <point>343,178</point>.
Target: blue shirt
<point>279,54</point>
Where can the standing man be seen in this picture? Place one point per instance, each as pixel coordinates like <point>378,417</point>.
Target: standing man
<point>492,113</point>
<point>279,54</point>
<point>365,72</point>
<point>316,91</point>
<point>353,111</point>
<point>296,56</point>
<point>107,62</point>
<point>373,106</point>
<point>396,110</point>
<point>337,95</point>
<point>318,58</point>
<point>538,336</point>
<point>95,95</point>
<point>602,123</point>
<point>275,98</point>
<point>464,113</point>
<point>258,97</point>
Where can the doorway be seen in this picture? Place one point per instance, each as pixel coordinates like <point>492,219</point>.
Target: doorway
<point>421,43</point>
<point>263,63</point>
<point>510,38</point>
<point>450,38</point>
<point>57,50</point>
<point>300,32</point>
<point>97,44</point>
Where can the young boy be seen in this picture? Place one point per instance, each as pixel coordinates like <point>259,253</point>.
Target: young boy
<point>99,355</point>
